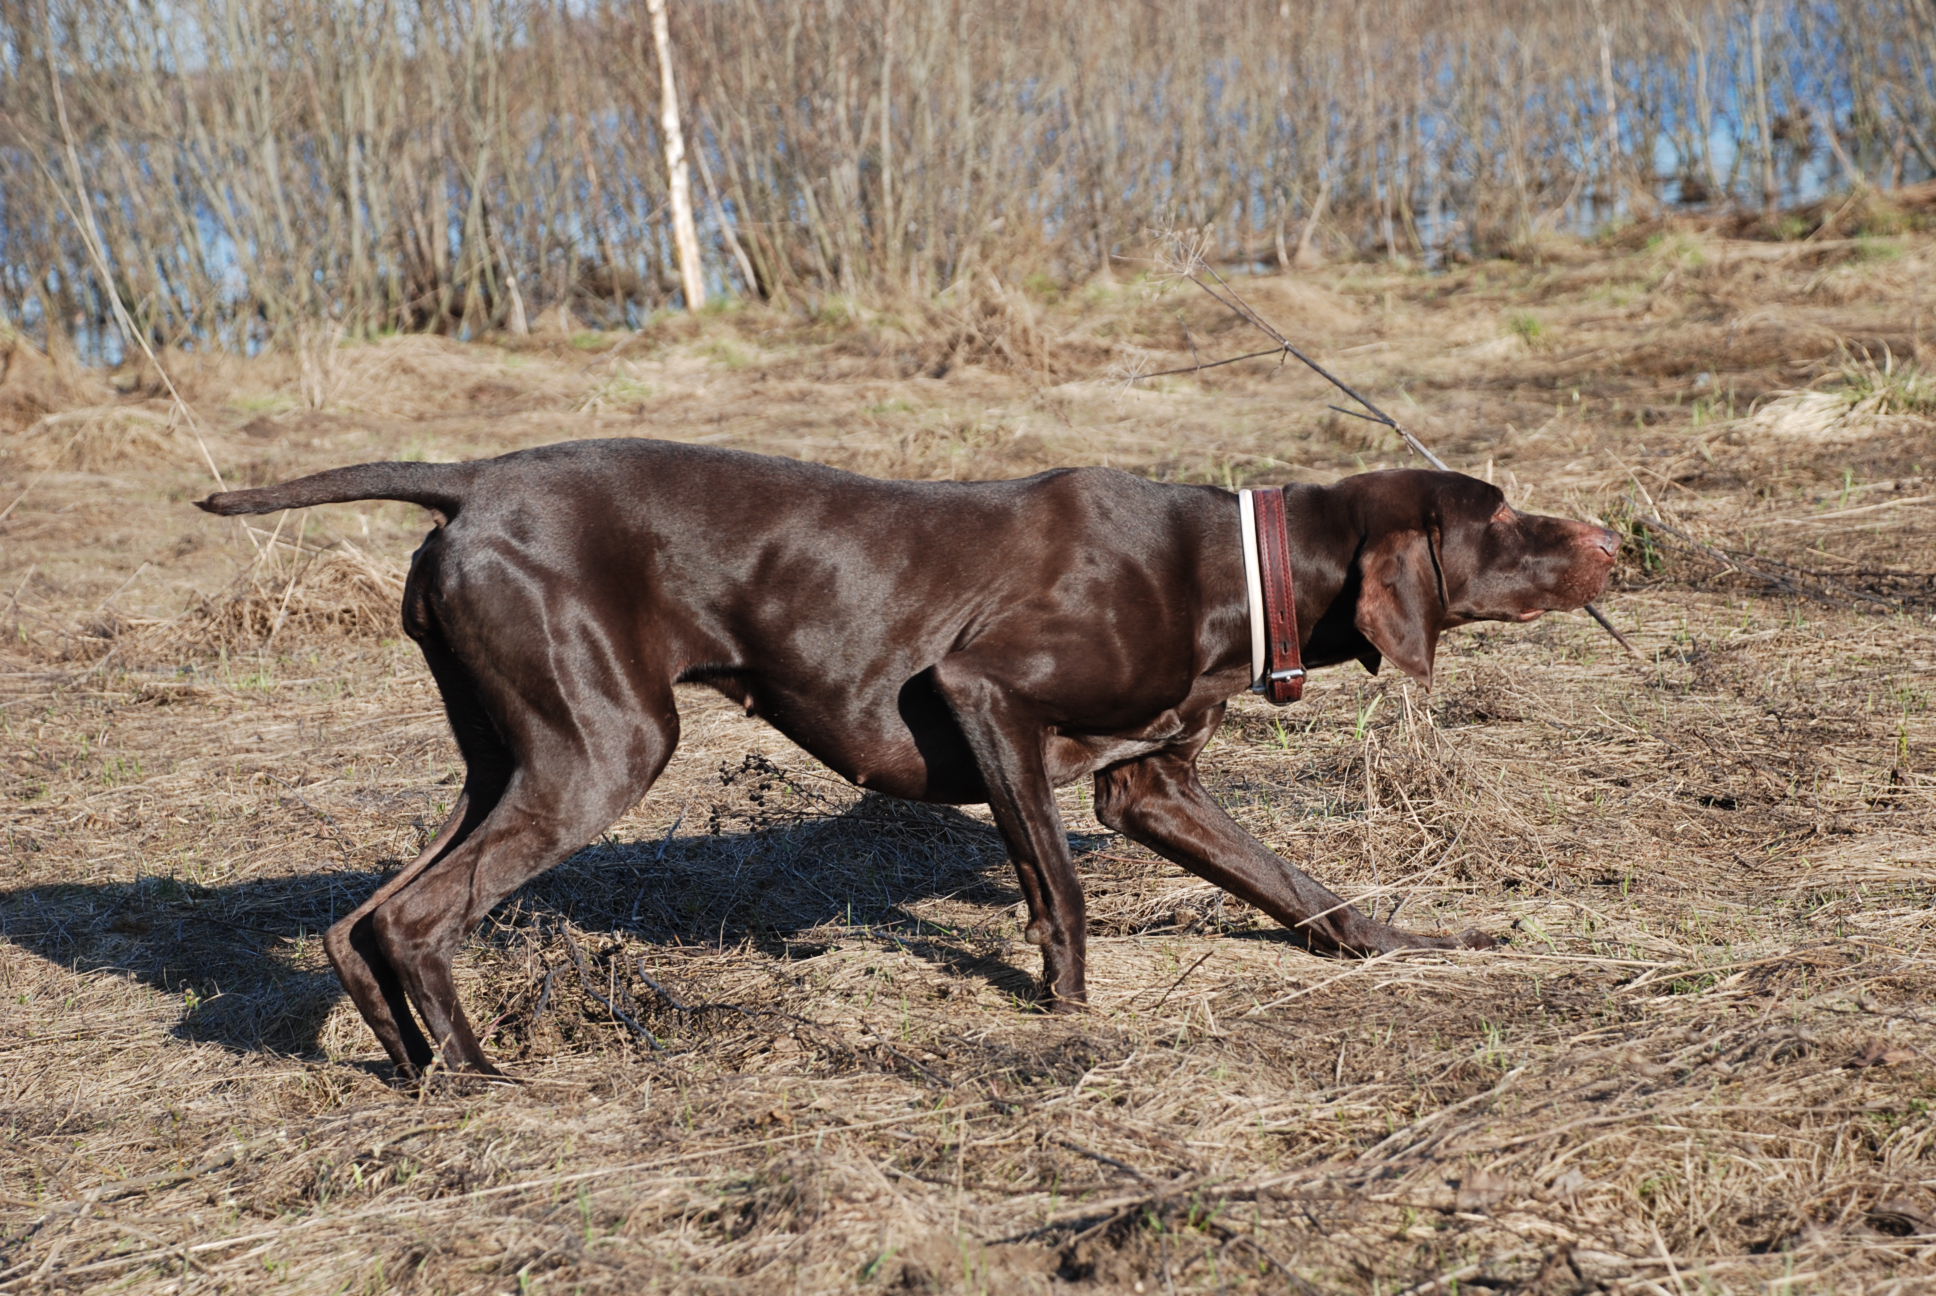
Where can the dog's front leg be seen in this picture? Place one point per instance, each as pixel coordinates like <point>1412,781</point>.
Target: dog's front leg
<point>1008,747</point>
<point>1158,801</point>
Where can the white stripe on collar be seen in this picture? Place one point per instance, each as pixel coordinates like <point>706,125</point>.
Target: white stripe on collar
<point>1253,583</point>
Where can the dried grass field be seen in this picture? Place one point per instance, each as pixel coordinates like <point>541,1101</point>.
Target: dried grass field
<point>771,1028</point>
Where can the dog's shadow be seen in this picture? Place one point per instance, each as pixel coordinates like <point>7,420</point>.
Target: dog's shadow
<point>246,958</point>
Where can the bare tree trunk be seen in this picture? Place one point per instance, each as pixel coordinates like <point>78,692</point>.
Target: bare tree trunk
<point>1609,106</point>
<point>685,236</point>
<point>1305,256</point>
<point>1764,133</point>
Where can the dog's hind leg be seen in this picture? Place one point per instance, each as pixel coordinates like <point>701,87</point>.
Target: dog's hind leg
<point>361,965</point>
<point>569,784</point>
<point>372,984</point>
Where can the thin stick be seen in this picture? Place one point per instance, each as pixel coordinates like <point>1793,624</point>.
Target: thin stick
<point>1224,293</point>
<point>1210,364</point>
<point>1180,980</point>
<point>1608,626</point>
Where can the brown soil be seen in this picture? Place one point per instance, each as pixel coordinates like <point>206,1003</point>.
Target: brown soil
<point>771,1028</point>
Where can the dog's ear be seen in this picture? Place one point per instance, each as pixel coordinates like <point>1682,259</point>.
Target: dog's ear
<point>1401,602</point>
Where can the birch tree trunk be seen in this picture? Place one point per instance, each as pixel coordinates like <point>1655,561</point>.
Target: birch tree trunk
<point>1609,106</point>
<point>1764,130</point>
<point>685,237</point>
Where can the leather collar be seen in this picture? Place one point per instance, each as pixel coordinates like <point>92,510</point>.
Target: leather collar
<point>1276,664</point>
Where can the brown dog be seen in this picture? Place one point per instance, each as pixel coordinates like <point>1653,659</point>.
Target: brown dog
<point>952,642</point>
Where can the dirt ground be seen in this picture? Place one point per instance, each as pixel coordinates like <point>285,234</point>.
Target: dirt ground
<point>771,1029</point>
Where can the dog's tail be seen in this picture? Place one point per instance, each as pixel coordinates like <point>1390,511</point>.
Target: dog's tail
<point>434,485</point>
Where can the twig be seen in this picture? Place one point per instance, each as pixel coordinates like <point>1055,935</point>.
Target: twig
<point>678,1005</point>
<point>1124,1166</point>
<point>1608,626</point>
<point>665,844</point>
<point>1180,980</point>
<point>1240,1239</point>
<point>1230,298</point>
<point>544,993</point>
<point>34,481</point>
<point>881,1040</point>
<point>1195,355</point>
<point>1353,414</point>
<point>14,602</point>
<point>1208,364</point>
<point>585,980</point>
<point>335,829</point>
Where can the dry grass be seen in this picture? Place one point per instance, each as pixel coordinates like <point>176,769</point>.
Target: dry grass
<point>289,593</point>
<point>770,1025</point>
<point>104,438</point>
<point>33,384</point>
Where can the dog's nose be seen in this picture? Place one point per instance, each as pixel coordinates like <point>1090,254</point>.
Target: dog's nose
<point>1606,541</point>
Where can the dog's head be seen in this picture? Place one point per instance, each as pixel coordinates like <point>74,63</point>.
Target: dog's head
<point>1441,549</point>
